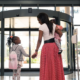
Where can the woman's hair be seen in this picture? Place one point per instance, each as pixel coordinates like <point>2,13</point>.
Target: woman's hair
<point>43,17</point>
<point>11,39</point>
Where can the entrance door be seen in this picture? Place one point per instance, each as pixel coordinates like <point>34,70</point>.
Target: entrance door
<point>0,49</point>
<point>65,44</point>
<point>26,27</point>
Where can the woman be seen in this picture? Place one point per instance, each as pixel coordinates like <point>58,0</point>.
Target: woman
<point>51,62</point>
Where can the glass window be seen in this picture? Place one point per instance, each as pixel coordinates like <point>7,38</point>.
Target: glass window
<point>0,24</point>
<point>0,51</point>
<point>65,9</point>
<point>77,15</point>
<point>28,7</point>
<point>77,27</point>
<point>10,8</point>
<point>47,8</point>
<point>65,43</point>
<point>24,37</point>
<point>35,63</point>
<point>7,22</point>
<point>6,50</point>
<point>0,8</point>
<point>64,48</point>
<point>16,22</point>
<point>51,18</point>
<point>64,24</point>
<point>21,22</point>
<point>34,22</point>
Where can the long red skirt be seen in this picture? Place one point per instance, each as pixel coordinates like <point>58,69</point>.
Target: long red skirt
<point>51,67</point>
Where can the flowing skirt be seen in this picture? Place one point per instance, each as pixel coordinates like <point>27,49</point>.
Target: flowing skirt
<point>51,67</point>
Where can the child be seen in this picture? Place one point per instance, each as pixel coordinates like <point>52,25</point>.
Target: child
<point>57,37</point>
<point>20,52</point>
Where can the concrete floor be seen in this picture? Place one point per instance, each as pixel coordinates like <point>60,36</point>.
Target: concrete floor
<point>33,76</point>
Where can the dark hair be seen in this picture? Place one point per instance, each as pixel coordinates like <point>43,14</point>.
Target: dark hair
<point>53,20</point>
<point>43,17</point>
<point>11,40</point>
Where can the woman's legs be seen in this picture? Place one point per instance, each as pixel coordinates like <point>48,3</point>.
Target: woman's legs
<point>16,73</point>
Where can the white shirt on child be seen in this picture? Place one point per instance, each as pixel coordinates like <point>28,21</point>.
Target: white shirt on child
<point>46,34</point>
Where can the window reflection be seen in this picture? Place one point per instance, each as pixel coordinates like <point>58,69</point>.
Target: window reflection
<point>77,15</point>
<point>6,50</point>
<point>16,22</point>
<point>0,49</point>
<point>65,9</point>
<point>51,18</point>
<point>24,37</point>
<point>28,7</point>
<point>0,24</point>
<point>35,63</point>
<point>77,27</point>
<point>47,8</point>
<point>21,22</point>
<point>64,24</point>
<point>34,22</point>
<point>7,22</point>
<point>10,8</point>
<point>64,48</point>
<point>0,9</point>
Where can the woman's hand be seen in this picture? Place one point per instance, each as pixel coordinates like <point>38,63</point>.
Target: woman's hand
<point>30,56</point>
<point>34,55</point>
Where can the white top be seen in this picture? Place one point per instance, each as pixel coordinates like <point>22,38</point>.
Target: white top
<point>46,34</point>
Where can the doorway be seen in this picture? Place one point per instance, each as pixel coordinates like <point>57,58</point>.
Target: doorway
<point>26,27</point>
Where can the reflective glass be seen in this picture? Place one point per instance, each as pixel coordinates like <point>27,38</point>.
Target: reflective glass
<point>0,24</point>
<point>65,9</point>
<point>76,15</point>
<point>64,48</point>
<point>34,22</point>
<point>28,7</point>
<point>35,63</point>
<point>16,22</point>
<point>47,8</point>
<point>10,8</point>
<point>24,37</point>
<point>7,22</point>
<point>51,18</point>
<point>6,50</point>
<point>21,22</point>
<point>77,27</point>
<point>0,9</point>
<point>64,24</point>
<point>0,52</point>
